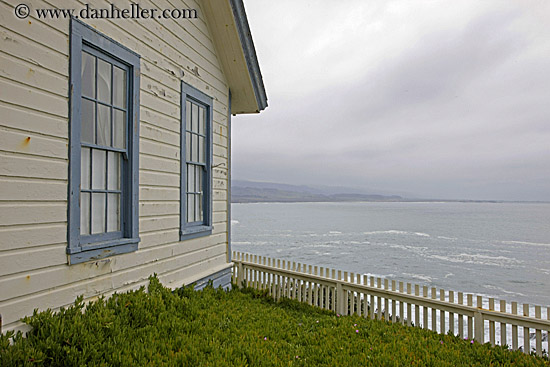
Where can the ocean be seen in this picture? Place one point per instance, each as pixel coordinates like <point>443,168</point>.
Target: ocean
<point>499,250</point>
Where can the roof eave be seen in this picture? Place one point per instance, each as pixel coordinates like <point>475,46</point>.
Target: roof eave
<point>233,41</point>
<point>241,21</point>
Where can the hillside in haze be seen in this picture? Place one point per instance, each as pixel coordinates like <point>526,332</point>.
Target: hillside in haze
<point>254,192</point>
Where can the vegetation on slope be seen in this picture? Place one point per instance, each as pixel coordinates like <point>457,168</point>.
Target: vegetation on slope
<point>236,328</point>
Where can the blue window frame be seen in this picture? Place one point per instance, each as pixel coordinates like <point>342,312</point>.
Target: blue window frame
<point>196,163</point>
<point>103,153</point>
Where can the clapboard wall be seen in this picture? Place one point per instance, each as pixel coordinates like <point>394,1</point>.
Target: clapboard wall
<point>34,110</point>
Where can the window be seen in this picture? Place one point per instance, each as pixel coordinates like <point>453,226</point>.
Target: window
<point>103,162</point>
<point>196,163</point>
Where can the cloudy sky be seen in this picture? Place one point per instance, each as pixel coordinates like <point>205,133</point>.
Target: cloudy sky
<point>432,99</point>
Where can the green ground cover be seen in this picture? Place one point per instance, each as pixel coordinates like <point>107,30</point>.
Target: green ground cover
<point>236,328</point>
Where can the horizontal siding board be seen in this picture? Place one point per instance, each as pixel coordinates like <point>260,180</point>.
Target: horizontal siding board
<point>167,93</point>
<point>220,184</point>
<point>220,172</point>
<point>219,217</point>
<point>13,262</point>
<point>159,164</point>
<point>32,75</point>
<point>219,228</point>
<point>219,195</point>
<point>33,52</point>
<point>40,32</point>
<point>16,237</point>
<point>161,106</point>
<point>32,144</point>
<point>173,46</point>
<point>151,208</point>
<point>158,238</point>
<point>219,140</point>
<point>166,258</point>
<point>187,275</point>
<point>219,206</point>
<point>220,151</point>
<point>30,213</point>
<point>172,80</point>
<point>218,161</point>
<point>220,128</point>
<point>20,165</point>
<point>159,179</point>
<point>35,99</point>
<point>159,223</point>
<point>158,149</point>
<point>36,122</point>
<point>190,32</point>
<point>20,189</point>
<point>134,34</point>
<point>35,281</point>
<point>160,120</point>
<point>60,26</point>
<point>95,278</point>
<point>158,193</point>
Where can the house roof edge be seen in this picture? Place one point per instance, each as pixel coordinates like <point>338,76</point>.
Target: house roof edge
<point>245,36</point>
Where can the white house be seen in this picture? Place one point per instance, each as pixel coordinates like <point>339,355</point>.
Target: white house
<point>115,145</point>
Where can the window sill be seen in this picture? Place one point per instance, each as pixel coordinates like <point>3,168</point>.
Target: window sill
<point>195,232</point>
<point>102,250</point>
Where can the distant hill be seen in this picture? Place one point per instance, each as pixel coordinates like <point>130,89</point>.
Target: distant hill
<point>254,192</point>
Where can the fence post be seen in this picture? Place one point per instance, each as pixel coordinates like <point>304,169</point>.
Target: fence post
<point>340,305</point>
<point>240,270</point>
<point>479,327</point>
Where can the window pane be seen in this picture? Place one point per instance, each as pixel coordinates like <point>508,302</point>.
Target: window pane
<point>187,146</point>
<point>113,175</point>
<point>119,130</point>
<point>201,148</point>
<point>84,213</point>
<point>187,115</point>
<point>103,125</point>
<point>88,121</point>
<point>85,168</point>
<point>119,87</point>
<point>198,178</point>
<point>202,119</point>
<point>103,81</point>
<point>87,75</point>
<point>98,169</point>
<point>194,148</point>
<point>190,178</point>
<point>190,208</point>
<point>195,118</point>
<point>198,208</point>
<point>113,212</point>
<point>98,213</point>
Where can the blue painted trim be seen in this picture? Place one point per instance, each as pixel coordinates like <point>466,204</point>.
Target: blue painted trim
<point>102,253</point>
<point>249,51</point>
<point>221,278</point>
<point>104,244</point>
<point>79,247</point>
<point>229,177</point>
<point>195,232</point>
<point>198,229</point>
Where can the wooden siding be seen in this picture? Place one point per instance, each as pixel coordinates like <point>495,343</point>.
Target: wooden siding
<point>34,80</point>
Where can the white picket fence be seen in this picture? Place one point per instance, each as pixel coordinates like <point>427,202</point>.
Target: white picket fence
<point>376,298</point>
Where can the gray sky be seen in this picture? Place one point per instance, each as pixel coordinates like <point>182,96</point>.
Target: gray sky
<point>438,99</point>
